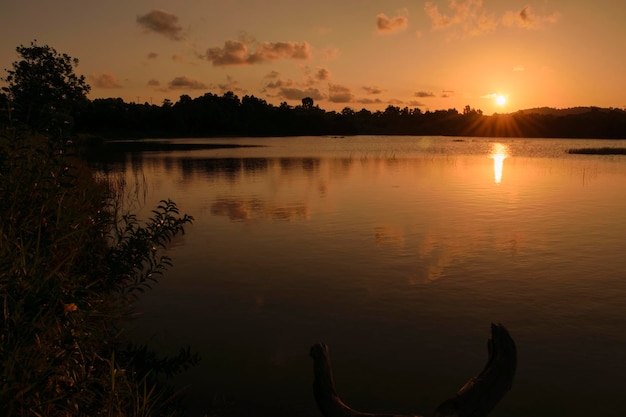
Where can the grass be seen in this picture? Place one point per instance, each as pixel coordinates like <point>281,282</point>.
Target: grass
<point>72,266</point>
<point>598,151</point>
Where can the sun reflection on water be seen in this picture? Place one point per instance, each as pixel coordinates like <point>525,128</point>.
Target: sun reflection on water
<point>498,152</point>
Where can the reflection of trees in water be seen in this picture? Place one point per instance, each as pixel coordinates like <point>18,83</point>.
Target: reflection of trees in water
<point>323,172</point>
<point>310,165</point>
<point>245,209</point>
<point>229,168</point>
<point>233,168</point>
<point>287,164</point>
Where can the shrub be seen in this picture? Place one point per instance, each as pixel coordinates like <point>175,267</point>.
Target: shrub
<point>71,267</point>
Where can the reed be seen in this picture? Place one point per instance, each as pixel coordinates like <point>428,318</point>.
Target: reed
<point>72,265</point>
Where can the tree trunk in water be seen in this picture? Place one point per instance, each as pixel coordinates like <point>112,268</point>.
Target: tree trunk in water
<point>476,398</point>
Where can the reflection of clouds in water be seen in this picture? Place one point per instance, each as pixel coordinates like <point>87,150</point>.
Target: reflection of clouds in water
<point>239,209</point>
<point>437,251</point>
<point>430,258</point>
<point>434,257</point>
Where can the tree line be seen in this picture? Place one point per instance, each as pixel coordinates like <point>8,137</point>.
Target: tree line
<point>229,115</point>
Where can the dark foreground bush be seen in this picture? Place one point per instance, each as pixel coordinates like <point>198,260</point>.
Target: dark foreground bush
<point>71,267</point>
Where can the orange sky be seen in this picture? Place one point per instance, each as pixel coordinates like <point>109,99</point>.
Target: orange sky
<point>353,53</point>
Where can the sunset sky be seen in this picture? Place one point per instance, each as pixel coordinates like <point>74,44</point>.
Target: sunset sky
<point>436,54</point>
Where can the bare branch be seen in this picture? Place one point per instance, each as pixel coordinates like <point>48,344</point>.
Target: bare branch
<point>480,394</point>
<point>476,398</point>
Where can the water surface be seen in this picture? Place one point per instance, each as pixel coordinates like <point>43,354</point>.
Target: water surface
<point>398,252</point>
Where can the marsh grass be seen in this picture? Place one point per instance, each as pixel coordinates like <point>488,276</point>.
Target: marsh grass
<point>72,264</point>
<point>598,151</point>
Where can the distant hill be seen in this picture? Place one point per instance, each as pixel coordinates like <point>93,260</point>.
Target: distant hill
<point>549,111</point>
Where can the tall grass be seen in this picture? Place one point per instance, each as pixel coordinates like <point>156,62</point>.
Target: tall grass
<point>71,268</point>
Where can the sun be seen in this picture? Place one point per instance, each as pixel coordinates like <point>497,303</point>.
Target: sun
<point>500,99</point>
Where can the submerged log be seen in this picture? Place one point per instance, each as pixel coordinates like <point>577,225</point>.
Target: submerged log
<point>476,398</point>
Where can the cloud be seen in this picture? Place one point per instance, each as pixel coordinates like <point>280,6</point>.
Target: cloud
<point>105,80</point>
<point>186,83</point>
<point>321,74</point>
<point>178,58</point>
<point>272,86</point>
<point>527,19</point>
<point>248,52</point>
<point>297,90</point>
<point>386,25</point>
<point>314,77</point>
<point>230,85</point>
<point>299,94</point>
<point>163,23</point>
<point>447,93</point>
<point>415,103</point>
<point>153,55</point>
<point>233,53</point>
<point>329,53</point>
<point>272,51</point>
<point>373,90</point>
<point>339,94</point>
<point>369,101</point>
<point>468,15</point>
<point>154,83</point>
<point>272,75</point>
<point>279,84</point>
<point>424,94</point>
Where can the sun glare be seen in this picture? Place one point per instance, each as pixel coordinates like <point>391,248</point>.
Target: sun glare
<point>500,100</point>
<point>499,152</point>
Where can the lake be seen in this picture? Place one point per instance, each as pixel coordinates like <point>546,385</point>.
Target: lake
<point>398,252</point>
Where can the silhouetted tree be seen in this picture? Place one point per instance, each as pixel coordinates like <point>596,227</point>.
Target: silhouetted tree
<point>347,112</point>
<point>227,115</point>
<point>472,111</point>
<point>42,87</point>
<point>307,103</point>
<point>185,99</point>
<point>5,109</point>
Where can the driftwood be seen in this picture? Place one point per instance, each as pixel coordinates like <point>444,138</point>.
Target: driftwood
<point>476,398</point>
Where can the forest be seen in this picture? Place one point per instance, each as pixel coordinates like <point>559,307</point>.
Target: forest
<point>228,115</point>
